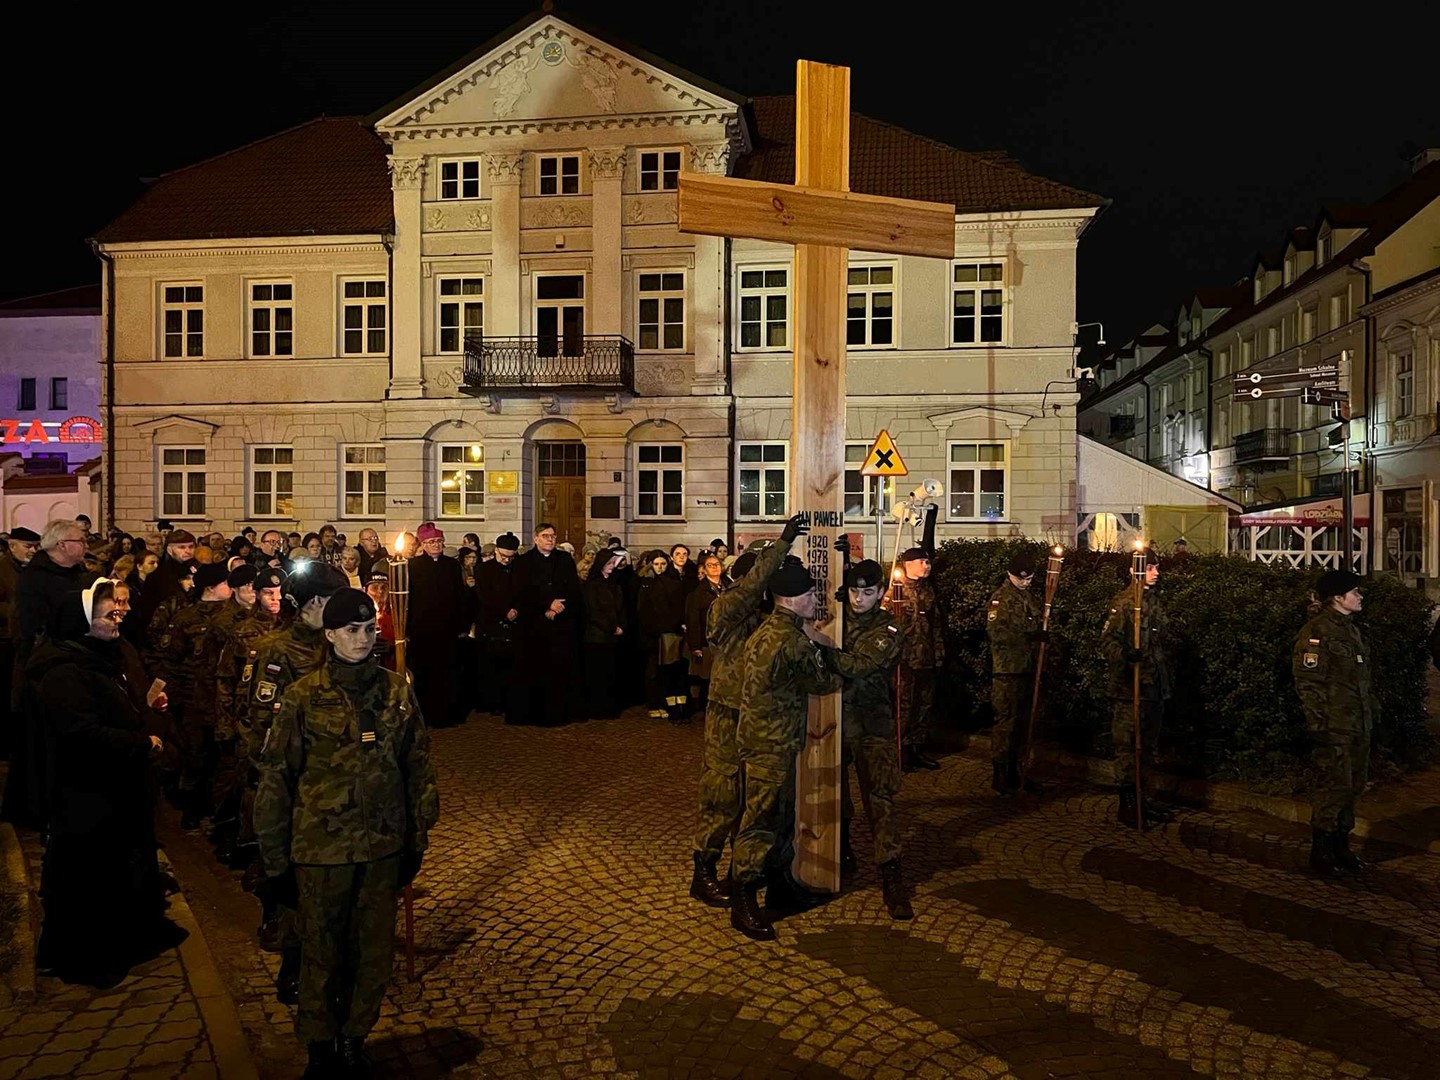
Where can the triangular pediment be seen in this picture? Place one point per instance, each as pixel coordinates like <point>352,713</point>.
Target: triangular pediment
<point>552,75</point>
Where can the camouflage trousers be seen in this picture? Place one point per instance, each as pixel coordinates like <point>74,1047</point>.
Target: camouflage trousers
<point>915,700</point>
<point>1342,765</point>
<point>1010,701</point>
<point>720,801</point>
<point>878,770</point>
<point>347,946</point>
<point>226,785</point>
<point>766,837</point>
<point>1122,735</point>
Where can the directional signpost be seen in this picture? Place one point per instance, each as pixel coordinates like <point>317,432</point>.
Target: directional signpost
<point>882,461</point>
<point>1256,385</point>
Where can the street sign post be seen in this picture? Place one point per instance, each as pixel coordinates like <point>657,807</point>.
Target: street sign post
<point>882,461</point>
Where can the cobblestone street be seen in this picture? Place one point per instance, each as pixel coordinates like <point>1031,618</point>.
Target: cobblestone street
<point>555,938</point>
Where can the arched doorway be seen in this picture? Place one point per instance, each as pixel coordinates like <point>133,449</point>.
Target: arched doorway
<point>558,455</point>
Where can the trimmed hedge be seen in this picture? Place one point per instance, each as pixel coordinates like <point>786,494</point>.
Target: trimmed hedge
<point>1235,714</point>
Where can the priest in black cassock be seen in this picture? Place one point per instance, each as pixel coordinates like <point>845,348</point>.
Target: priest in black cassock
<point>548,589</point>
<point>441,611</point>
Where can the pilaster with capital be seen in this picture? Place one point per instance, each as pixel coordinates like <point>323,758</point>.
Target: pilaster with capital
<point>504,168</point>
<point>708,287</point>
<point>607,175</point>
<point>407,181</point>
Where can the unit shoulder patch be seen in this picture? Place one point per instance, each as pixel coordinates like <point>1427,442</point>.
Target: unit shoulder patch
<point>1310,660</point>
<point>992,615</point>
<point>265,691</point>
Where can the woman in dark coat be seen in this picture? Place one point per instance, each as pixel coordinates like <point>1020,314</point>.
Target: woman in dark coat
<point>603,629</point>
<point>697,606</point>
<point>100,884</point>
<point>661,611</point>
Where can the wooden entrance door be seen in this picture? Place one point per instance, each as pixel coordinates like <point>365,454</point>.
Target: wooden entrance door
<point>561,482</point>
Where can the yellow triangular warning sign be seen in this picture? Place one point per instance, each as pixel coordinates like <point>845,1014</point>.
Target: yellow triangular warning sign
<point>884,458</point>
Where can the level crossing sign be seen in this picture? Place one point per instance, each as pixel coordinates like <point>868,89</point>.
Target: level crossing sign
<point>884,458</point>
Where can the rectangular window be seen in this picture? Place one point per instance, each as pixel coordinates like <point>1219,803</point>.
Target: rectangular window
<point>27,395</point>
<point>272,482</point>
<point>1323,248</point>
<point>560,174</point>
<point>272,318</point>
<point>979,477</point>
<point>182,315</point>
<point>462,312</point>
<point>870,306</point>
<point>363,313</point>
<point>59,393</point>
<point>1247,353</point>
<point>182,482</point>
<point>661,318</point>
<point>1339,309</point>
<point>860,490</point>
<point>462,480</point>
<point>460,179</point>
<point>1222,362</point>
<point>979,304</point>
<point>659,170</point>
<point>763,476</point>
<point>363,480</point>
<point>1272,340</point>
<point>1404,385</point>
<point>560,315</point>
<point>1308,323</point>
<point>659,480</point>
<point>764,308</point>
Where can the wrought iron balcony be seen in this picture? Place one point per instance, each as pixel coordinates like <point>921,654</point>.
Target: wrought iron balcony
<point>554,362</point>
<point>1262,445</point>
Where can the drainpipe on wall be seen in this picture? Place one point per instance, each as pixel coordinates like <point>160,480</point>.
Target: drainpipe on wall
<point>1209,400</point>
<point>1366,479</point>
<point>388,241</point>
<point>725,343</point>
<point>108,358</point>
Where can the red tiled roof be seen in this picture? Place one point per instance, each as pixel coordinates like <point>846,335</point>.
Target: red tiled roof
<point>325,177</point>
<point>888,160</point>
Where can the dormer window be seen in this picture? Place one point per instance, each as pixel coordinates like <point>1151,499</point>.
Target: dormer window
<point>1289,272</point>
<point>1323,248</point>
<point>1259,285</point>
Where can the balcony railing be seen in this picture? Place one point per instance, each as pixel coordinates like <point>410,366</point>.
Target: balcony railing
<point>563,362</point>
<point>1265,444</point>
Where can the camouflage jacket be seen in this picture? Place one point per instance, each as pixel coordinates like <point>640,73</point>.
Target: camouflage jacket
<point>922,620</point>
<point>282,658</point>
<point>183,646</point>
<point>731,619</point>
<point>156,654</point>
<point>1331,664</point>
<point>205,693</point>
<point>345,774</point>
<point>782,669</point>
<point>234,665</point>
<point>1118,635</point>
<point>873,643</point>
<point>1012,616</point>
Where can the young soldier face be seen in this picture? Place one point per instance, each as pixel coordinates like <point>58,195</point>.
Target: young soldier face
<point>354,641</point>
<point>313,613</point>
<point>916,569</point>
<point>1021,581</point>
<point>244,595</point>
<point>862,600</point>
<point>1351,602</point>
<point>269,600</point>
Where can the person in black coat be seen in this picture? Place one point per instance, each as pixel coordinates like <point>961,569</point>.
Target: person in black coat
<point>697,606</point>
<point>683,567</point>
<point>549,617</point>
<point>103,900</point>
<point>441,611</point>
<point>604,627</point>
<point>497,626</point>
<point>660,608</point>
<point>165,581</point>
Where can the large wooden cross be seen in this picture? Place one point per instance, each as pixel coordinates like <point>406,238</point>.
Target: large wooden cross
<point>824,220</point>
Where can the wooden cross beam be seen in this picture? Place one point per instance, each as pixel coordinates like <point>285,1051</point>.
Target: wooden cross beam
<point>824,220</point>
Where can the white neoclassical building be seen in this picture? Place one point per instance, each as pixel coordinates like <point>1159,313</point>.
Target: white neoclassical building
<point>475,306</point>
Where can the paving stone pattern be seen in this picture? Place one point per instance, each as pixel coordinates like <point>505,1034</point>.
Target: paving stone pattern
<point>555,939</point>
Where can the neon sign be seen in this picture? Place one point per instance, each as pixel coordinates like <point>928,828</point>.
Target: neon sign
<point>77,429</point>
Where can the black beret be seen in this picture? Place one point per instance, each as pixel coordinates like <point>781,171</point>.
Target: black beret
<point>507,542</point>
<point>792,579</point>
<point>348,606</point>
<point>25,535</point>
<point>311,579</point>
<point>1336,583</point>
<point>242,575</point>
<point>210,574</point>
<point>1022,563</point>
<point>269,578</point>
<point>912,554</point>
<point>163,525</point>
<point>864,575</point>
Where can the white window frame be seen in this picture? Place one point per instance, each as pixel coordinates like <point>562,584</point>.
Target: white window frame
<point>662,297</point>
<point>272,308</point>
<point>472,468</point>
<point>560,174</point>
<point>661,469</point>
<point>463,302</point>
<point>653,164</point>
<point>976,467</point>
<point>273,469</point>
<point>537,303</point>
<point>188,470</point>
<point>765,469</point>
<point>764,292</point>
<point>855,453</point>
<point>461,167</point>
<point>187,307</point>
<point>1404,385</point>
<point>869,290</point>
<point>977,290</point>
<point>366,303</point>
<point>366,469</point>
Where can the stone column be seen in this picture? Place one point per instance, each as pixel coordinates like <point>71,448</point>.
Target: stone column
<point>606,304</point>
<point>502,302</point>
<point>707,288</point>
<point>407,179</point>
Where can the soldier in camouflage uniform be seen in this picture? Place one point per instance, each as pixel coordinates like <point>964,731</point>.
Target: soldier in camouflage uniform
<point>347,799</point>
<point>281,659</point>
<point>1117,645</point>
<point>867,663</point>
<point>1012,623</point>
<point>783,667</point>
<point>1332,672</point>
<point>921,618</point>
<point>732,617</point>
<point>224,789</point>
<point>190,690</point>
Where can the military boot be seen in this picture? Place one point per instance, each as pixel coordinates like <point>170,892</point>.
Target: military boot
<point>1125,809</point>
<point>848,862</point>
<point>254,869</point>
<point>1000,780</point>
<point>1322,854</point>
<point>287,982</point>
<point>353,1057</point>
<point>705,887</point>
<point>745,914</point>
<point>1344,857</point>
<point>324,1063</point>
<point>892,887</point>
<point>921,759</point>
<point>785,896</point>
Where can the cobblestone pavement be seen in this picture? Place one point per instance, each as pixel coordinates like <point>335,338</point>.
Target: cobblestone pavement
<point>555,938</point>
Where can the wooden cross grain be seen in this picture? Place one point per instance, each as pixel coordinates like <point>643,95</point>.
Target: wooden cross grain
<point>824,220</point>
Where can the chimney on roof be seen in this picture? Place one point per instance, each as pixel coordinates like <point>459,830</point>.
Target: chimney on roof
<point>1423,158</point>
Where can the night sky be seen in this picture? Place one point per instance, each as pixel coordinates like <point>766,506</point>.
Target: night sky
<point>1212,128</point>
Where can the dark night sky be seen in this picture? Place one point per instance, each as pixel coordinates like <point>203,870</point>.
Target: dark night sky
<point>1212,128</point>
